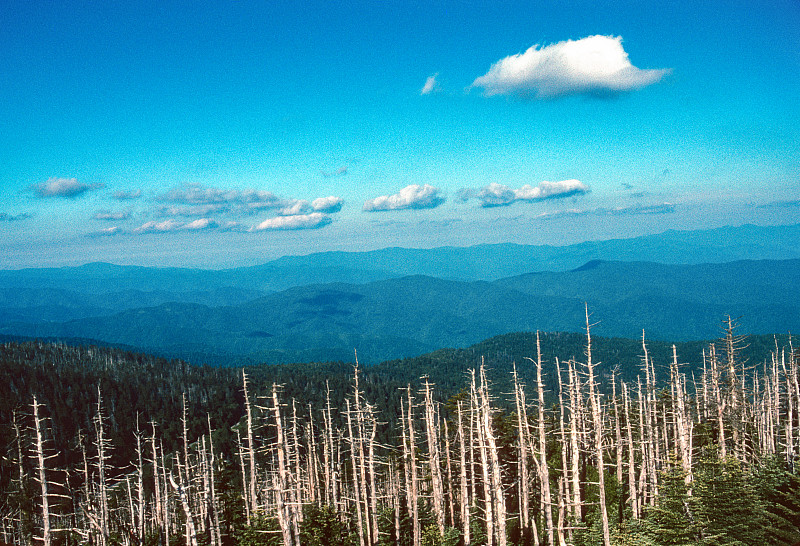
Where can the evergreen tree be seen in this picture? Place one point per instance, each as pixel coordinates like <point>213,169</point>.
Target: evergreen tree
<point>670,521</point>
<point>778,490</point>
<point>726,504</point>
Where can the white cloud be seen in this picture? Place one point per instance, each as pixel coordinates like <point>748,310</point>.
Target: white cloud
<point>431,85</point>
<point>158,227</point>
<point>633,210</point>
<point>596,65</point>
<point>63,187</point>
<point>329,204</point>
<point>121,195</point>
<point>498,195</point>
<point>202,223</point>
<point>115,215</point>
<point>107,232</point>
<point>298,207</point>
<point>410,197</point>
<point>196,194</point>
<point>192,210</point>
<point>300,221</point>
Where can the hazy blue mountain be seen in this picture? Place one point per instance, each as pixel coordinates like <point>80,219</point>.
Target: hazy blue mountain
<point>412,315</point>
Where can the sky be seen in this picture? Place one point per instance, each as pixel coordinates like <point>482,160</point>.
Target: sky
<point>226,134</point>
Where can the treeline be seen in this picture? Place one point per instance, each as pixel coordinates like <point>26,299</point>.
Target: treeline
<point>138,450</point>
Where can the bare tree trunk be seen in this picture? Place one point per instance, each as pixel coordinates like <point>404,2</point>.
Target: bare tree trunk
<point>216,532</point>
<point>543,469</point>
<point>594,401</point>
<point>574,429</point>
<point>465,500</point>
<point>412,457</point>
<point>563,490</point>
<point>631,456</point>
<point>522,439</point>
<point>434,463</point>
<point>41,471</point>
<point>496,478</point>
<point>251,497</point>
<point>682,422</point>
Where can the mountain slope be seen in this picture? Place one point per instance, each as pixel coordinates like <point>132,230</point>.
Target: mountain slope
<point>417,314</point>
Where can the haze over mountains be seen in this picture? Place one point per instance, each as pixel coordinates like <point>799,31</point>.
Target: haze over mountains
<point>398,302</point>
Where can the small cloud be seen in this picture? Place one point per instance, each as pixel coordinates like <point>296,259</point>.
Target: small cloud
<point>192,210</point>
<point>5,217</point>
<point>296,208</point>
<point>107,232</point>
<point>498,195</point>
<point>595,66</point>
<point>431,85</point>
<point>410,197</point>
<point>314,220</point>
<point>63,187</point>
<point>634,210</point>
<point>196,194</point>
<point>121,195</point>
<point>663,208</point>
<point>112,215</point>
<point>202,223</point>
<point>158,227</point>
<point>329,204</point>
<point>341,171</point>
<point>232,226</point>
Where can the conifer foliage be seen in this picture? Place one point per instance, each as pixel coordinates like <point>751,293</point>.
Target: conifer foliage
<point>106,448</point>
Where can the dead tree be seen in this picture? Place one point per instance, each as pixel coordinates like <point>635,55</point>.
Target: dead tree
<point>594,403</point>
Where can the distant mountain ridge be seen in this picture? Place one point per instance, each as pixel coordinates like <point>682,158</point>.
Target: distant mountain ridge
<point>412,315</point>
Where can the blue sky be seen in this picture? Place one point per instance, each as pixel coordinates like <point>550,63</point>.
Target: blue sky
<point>222,134</point>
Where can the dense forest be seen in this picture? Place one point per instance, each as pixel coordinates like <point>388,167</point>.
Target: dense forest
<point>522,439</point>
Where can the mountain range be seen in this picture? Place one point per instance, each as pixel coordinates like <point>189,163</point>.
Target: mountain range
<point>236,316</point>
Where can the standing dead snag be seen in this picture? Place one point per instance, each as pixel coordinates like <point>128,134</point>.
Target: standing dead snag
<point>281,487</point>
<point>466,502</point>
<point>251,498</point>
<point>495,482</point>
<point>41,473</point>
<point>522,456</point>
<point>434,463</point>
<point>597,421</point>
<point>544,472</point>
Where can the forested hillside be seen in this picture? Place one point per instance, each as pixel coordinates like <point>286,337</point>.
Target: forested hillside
<point>414,315</point>
<point>496,444</point>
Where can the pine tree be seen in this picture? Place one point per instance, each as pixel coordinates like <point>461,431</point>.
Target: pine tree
<point>670,521</point>
<point>726,503</point>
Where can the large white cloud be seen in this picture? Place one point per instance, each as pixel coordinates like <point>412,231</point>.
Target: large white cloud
<point>596,65</point>
<point>299,221</point>
<point>63,187</point>
<point>410,197</point>
<point>498,195</point>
